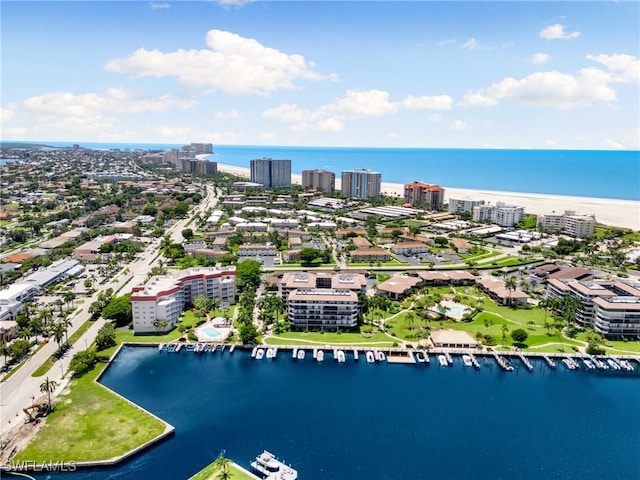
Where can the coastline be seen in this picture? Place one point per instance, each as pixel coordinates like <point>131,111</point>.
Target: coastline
<point>608,211</point>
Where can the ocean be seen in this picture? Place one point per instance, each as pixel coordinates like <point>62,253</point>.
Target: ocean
<point>583,173</point>
<point>360,421</point>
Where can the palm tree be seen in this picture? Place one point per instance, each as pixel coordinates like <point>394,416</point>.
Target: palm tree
<point>4,349</point>
<point>160,324</point>
<point>510,284</point>
<point>48,387</point>
<point>24,334</point>
<point>505,331</point>
<point>223,463</point>
<point>68,297</point>
<point>58,331</point>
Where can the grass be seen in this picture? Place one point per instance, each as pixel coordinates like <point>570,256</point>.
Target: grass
<point>50,362</point>
<point>333,338</point>
<point>91,423</point>
<point>211,472</point>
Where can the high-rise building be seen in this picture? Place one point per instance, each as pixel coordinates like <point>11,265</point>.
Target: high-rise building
<point>461,205</point>
<point>425,195</point>
<point>361,183</point>
<point>271,173</point>
<point>500,214</point>
<point>579,226</point>
<point>321,180</point>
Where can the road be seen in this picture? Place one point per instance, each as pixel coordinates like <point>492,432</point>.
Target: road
<point>21,388</point>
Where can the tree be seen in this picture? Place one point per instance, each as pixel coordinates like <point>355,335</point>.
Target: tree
<point>4,349</point>
<point>203,304</point>
<point>19,349</point>
<point>106,337</point>
<point>58,331</point>
<point>309,255</point>
<point>223,463</point>
<point>119,310</point>
<point>519,335</point>
<point>510,284</point>
<point>248,273</point>
<point>48,387</point>
<point>83,362</point>
<point>504,330</point>
<point>68,297</point>
<point>187,233</point>
<point>248,333</point>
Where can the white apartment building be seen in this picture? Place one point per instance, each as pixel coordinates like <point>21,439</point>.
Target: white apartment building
<point>361,183</point>
<point>610,307</point>
<point>164,297</point>
<point>461,205</point>
<point>500,214</point>
<point>257,250</point>
<point>578,226</point>
<point>321,308</point>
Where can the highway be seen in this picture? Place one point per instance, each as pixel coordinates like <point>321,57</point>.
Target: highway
<point>21,388</point>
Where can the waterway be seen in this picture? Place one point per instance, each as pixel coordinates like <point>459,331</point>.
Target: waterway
<point>380,421</point>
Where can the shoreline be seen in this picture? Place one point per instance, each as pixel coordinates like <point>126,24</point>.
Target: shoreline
<point>608,211</point>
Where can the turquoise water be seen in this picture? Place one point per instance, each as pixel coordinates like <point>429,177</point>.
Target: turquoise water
<point>211,332</point>
<point>380,421</point>
<point>587,173</point>
<point>456,310</point>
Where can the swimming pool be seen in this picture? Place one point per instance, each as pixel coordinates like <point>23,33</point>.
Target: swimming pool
<point>455,310</point>
<point>210,332</point>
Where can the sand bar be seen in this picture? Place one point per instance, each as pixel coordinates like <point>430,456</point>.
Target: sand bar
<point>609,211</point>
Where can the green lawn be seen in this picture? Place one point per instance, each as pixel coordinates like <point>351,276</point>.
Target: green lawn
<point>211,472</point>
<point>318,338</point>
<point>91,423</point>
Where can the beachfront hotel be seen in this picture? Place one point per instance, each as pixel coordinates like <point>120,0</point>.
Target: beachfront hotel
<point>361,183</point>
<point>462,205</point>
<point>500,214</point>
<point>424,195</point>
<point>610,307</point>
<point>164,297</point>
<point>271,173</point>
<point>321,180</point>
<point>578,226</point>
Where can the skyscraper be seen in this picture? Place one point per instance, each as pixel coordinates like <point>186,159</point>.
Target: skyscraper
<point>319,180</point>
<point>361,183</point>
<point>271,173</point>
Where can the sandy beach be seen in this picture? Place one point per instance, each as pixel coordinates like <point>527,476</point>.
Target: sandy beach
<point>618,213</point>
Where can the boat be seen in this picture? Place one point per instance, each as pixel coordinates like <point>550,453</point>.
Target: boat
<point>380,356</point>
<point>171,347</point>
<point>300,354</point>
<point>625,364</point>
<point>355,355</point>
<point>371,358</point>
<point>466,359</point>
<point>315,352</point>
<point>341,356</point>
<point>320,355</point>
<point>178,347</point>
<point>207,348</point>
<point>294,354</point>
<point>588,363</point>
<point>254,352</point>
<point>427,360</point>
<point>569,363</point>
<point>200,348</point>
<point>233,347</point>
<point>260,354</point>
<point>267,466</point>
<point>443,361</point>
<point>613,364</point>
<point>271,353</point>
<point>190,348</point>
<point>420,357</point>
<point>160,347</point>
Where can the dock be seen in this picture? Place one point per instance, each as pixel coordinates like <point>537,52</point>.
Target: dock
<point>526,362</point>
<point>503,362</point>
<point>474,361</point>
<point>549,361</point>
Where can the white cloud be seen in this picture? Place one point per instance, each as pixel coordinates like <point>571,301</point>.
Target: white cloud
<point>15,133</point>
<point>160,6</point>
<point>268,136</point>
<point>624,68</point>
<point>556,32</point>
<point>354,104</point>
<point>167,131</point>
<point>232,64</point>
<point>458,125</point>
<point>233,114</point>
<point>628,141</point>
<point>435,118</point>
<point>234,3</point>
<point>5,115</point>
<point>540,58</point>
<point>471,44</point>
<point>554,89</point>
<point>443,43</point>
<point>551,143</point>
<point>490,145</point>
<point>112,100</point>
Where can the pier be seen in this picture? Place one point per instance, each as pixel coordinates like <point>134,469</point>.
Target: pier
<point>503,362</point>
<point>526,362</point>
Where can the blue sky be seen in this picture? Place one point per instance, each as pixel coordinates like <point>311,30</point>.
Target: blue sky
<point>394,74</point>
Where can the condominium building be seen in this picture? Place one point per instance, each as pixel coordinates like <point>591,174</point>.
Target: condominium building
<point>610,307</point>
<point>424,195</point>
<point>361,183</point>
<point>355,282</point>
<point>578,226</point>
<point>164,297</point>
<point>462,205</point>
<point>321,180</point>
<point>323,308</point>
<point>271,173</point>
<point>500,214</point>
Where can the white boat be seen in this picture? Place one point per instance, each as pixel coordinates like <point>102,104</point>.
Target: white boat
<point>254,352</point>
<point>426,357</point>
<point>341,356</point>
<point>371,358</point>
<point>207,348</point>
<point>355,354</point>
<point>294,354</point>
<point>588,363</point>
<point>178,347</point>
<point>613,364</point>
<point>420,357</point>
<point>380,356</point>
<point>271,352</point>
<point>267,466</point>
<point>260,354</point>
<point>300,355</point>
<point>315,353</point>
<point>233,347</point>
<point>466,359</point>
<point>160,347</point>
<point>320,355</point>
<point>570,364</point>
<point>443,361</point>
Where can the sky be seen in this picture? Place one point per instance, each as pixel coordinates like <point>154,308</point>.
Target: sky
<point>558,75</point>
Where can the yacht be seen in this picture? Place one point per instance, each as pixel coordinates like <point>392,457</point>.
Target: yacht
<point>178,347</point>
<point>300,354</point>
<point>371,358</point>
<point>341,356</point>
<point>380,356</point>
<point>260,354</point>
<point>268,467</point>
<point>320,355</point>
<point>254,352</point>
<point>466,359</point>
<point>443,361</point>
<point>420,357</point>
